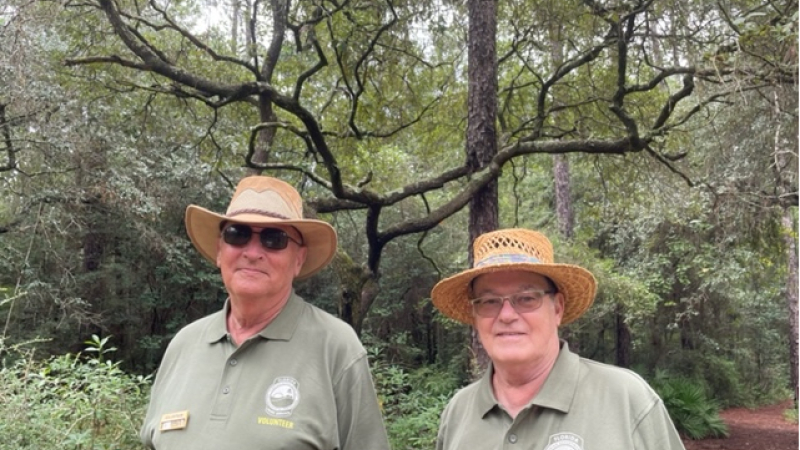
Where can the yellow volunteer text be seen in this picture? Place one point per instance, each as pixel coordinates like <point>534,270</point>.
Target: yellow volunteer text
<point>283,423</point>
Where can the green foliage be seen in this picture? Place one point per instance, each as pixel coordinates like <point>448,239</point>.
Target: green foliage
<point>694,414</point>
<point>412,402</point>
<point>731,377</point>
<point>107,158</point>
<point>70,402</point>
<point>791,415</point>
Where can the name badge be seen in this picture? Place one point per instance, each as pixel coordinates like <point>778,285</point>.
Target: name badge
<point>174,421</point>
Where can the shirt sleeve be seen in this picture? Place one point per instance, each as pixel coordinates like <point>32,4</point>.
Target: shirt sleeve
<point>656,431</point>
<point>150,424</point>
<point>440,435</point>
<point>360,421</point>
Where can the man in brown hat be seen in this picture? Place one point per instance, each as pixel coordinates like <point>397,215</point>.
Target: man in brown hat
<point>536,393</point>
<point>268,370</point>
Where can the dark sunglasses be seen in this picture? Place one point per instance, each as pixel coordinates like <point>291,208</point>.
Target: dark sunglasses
<point>239,235</point>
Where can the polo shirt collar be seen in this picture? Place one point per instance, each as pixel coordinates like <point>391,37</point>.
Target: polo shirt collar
<point>281,328</point>
<point>561,384</point>
<point>558,389</point>
<point>485,398</point>
<point>283,325</point>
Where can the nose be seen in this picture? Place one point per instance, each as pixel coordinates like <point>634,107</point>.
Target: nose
<point>507,311</point>
<point>253,248</point>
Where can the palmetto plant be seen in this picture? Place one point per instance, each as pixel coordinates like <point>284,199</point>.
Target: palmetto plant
<point>695,415</point>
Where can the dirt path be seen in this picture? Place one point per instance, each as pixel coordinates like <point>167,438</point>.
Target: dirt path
<point>760,429</point>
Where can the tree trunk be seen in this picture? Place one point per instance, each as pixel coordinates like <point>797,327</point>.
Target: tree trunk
<point>789,233</point>
<point>791,297</point>
<point>266,113</point>
<point>623,341</point>
<point>565,215</point>
<point>564,211</point>
<point>481,133</point>
<point>91,178</point>
<point>236,14</point>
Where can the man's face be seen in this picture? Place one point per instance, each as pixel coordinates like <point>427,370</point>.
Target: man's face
<point>254,272</point>
<point>512,338</point>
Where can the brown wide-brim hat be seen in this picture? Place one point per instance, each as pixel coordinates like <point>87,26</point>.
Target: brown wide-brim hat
<point>515,249</point>
<point>263,202</point>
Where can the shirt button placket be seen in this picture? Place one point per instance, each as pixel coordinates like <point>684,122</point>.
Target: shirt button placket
<point>512,438</point>
<point>227,389</point>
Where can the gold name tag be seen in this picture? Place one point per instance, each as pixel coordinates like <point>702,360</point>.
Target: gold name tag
<point>174,421</point>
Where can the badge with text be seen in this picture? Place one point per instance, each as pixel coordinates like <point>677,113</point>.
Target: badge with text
<point>174,421</point>
<point>565,441</point>
<point>282,397</point>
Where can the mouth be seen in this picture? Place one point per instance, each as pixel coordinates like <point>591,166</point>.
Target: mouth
<point>509,334</point>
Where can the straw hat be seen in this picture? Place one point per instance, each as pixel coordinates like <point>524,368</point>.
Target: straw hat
<point>264,201</point>
<point>511,250</point>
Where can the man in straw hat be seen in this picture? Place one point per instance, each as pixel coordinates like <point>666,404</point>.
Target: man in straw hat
<point>536,394</point>
<point>269,370</point>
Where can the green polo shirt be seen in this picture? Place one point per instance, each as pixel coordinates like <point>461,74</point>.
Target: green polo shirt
<point>302,383</point>
<point>583,405</point>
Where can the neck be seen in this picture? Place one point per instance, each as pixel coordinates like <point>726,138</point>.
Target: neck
<point>514,387</point>
<point>249,316</point>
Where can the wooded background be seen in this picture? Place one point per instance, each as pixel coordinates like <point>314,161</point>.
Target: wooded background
<point>654,142</point>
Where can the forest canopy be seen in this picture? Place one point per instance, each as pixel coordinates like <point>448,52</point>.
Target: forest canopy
<point>674,125</point>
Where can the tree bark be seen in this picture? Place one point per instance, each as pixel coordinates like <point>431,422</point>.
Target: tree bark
<point>791,298</point>
<point>780,167</point>
<point>564,210</point>
<point>565,215</point>
<point>482,134</point>
<point>623,341</point>
<point>266,112</point>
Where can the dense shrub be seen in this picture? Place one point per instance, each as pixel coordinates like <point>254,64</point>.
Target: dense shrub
<point>694,414</point>
<point>70,402</point>
<point>412,403</point>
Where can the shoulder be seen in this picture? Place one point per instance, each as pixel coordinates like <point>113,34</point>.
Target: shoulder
<point>621,383</point>
<point>185,345</point>
<point>186,341</point>
<point>463,401</point>
<point>317,321</point>
<point>320,328</point>
<point>467,393</point>
<point>325,320</point>
<point>198,329</point>
<point>611,374</point>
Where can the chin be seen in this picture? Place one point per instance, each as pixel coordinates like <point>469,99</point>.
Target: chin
<point>510,357</point>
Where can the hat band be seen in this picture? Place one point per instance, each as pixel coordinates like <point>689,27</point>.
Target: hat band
<point>257,211</point>
<point>509,258</point>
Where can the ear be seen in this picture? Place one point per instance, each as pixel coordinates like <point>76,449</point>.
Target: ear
<point>302,252</point>
<point>219,243</point>
<point>558,306</point>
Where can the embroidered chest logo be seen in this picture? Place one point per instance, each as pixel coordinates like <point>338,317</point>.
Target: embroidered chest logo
<point>565,441</point>
<point>282,397</point>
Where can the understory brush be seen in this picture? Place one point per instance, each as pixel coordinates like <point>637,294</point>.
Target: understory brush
<point>412,402</point>
<point>70,402</point>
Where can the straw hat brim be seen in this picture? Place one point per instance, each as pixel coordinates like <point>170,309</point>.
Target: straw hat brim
<point>451,295</point>
<point>319,237</point>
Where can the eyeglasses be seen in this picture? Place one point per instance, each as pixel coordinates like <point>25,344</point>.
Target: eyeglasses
<point>239,235</point>
<point>522,302</point>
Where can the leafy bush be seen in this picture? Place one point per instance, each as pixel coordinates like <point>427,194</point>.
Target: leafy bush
<point>70,402</point>
<point>412,403</point>
<point>694,414</point>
